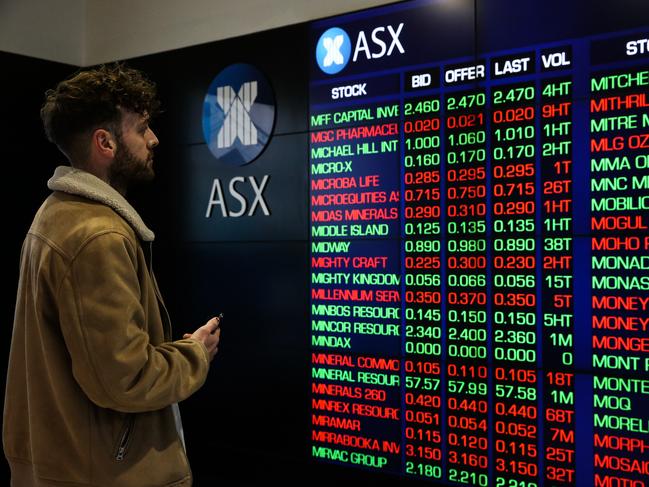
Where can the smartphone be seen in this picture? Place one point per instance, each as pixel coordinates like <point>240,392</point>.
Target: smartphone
<point>220,317</point>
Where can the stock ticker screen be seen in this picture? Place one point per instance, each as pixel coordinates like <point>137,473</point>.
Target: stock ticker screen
<point>479,252</point>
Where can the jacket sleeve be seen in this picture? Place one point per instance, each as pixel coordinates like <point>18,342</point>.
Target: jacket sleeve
<point>104,326</point>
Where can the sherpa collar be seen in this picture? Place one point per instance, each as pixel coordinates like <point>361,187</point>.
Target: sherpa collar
<point>82,183</point>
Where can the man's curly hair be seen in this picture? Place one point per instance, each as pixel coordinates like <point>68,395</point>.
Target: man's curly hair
<point>94,99</point>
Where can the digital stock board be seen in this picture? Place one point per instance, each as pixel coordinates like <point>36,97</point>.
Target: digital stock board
<point>479,251</point>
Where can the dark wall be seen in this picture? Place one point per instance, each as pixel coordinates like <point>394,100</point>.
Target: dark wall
<point>28,159</point>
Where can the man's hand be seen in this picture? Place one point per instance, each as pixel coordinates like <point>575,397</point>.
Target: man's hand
<point>209,334</point>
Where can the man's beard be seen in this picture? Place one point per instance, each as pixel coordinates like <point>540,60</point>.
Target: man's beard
<point>127,169</point>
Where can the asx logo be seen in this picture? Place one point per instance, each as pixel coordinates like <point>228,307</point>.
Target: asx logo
<point>238,121</point>
<point>238,114</point>
<point>334,48</point>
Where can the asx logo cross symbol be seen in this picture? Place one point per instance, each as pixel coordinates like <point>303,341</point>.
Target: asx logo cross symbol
<point>333,50</point>
<point>333,45</point>
<point>238,114</point>
<point>237,123</point>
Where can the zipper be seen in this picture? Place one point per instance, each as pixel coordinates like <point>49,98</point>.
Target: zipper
<point>124,438</point>
<point>165,314</point>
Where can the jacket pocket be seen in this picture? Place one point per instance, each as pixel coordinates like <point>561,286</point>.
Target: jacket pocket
<point>124,438</point>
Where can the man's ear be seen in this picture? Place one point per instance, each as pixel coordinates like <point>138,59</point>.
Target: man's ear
<point>103,143</point>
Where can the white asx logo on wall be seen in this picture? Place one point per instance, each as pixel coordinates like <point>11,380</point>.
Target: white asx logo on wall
<point>238,114</point>
<point>238,120</point>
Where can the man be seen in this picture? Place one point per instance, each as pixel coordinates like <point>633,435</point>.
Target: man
<point>93,377</point>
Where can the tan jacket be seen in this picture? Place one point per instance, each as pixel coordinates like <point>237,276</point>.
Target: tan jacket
<point>92,373</point>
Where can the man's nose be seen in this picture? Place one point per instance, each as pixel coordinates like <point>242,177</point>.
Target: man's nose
<point>153,140</point>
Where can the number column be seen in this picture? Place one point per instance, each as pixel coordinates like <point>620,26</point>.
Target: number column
<point>557,281</point>
<point>422,263</point>
<point>466,291</point>
<point>513,151</point>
